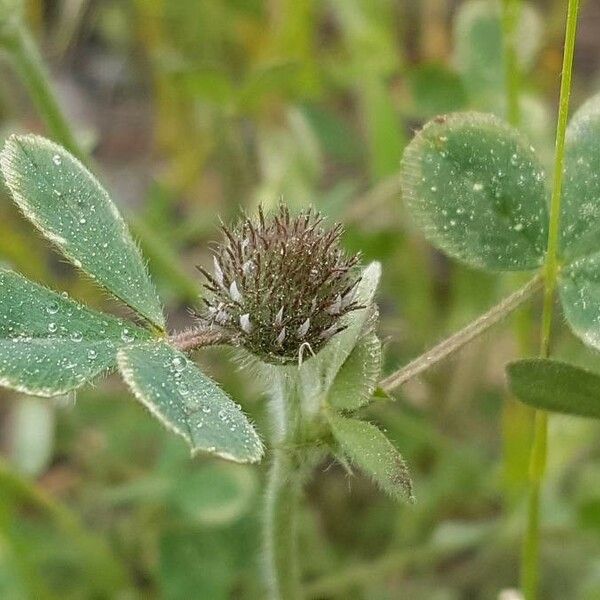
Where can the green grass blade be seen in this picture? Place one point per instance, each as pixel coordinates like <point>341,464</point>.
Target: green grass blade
<point>188,403</point>
<point>50,344</point>
<point>70,207</point>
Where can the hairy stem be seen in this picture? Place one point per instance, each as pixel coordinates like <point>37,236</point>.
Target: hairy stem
<point>191,339</point>
<point>464,336</point>
<point>284,487</point>
<point>530,556</point>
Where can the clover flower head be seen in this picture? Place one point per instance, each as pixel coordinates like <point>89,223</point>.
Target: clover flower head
<point>280,285</point>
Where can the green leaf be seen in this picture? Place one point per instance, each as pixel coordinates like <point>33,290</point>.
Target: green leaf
<point>321,370</point>
<point>477,190</point>
<point>555,386</point>
<point>357,379</point>
<point>70,207</point>
<point>367,447</point>
<point>50,344</point>
<point>579,288</point>
<point>188,403</point>
<point>580,217</point>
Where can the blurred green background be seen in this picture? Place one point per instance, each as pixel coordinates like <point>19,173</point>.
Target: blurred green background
<point>193,108</point>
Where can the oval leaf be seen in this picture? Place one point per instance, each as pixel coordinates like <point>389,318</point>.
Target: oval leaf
<point>477,190</point>
<point>555,386</point>
<point>580,216</point>
<point>367,447</point>
<point>50,344</point>
<point>579,286</point>
<point>188,403</point>
<point>70,207</point>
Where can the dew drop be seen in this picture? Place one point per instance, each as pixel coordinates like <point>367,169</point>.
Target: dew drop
<point>52,327</point>
<point>52,308</point>
<point>57,160</point>
<point>76,336</point>
<point>127,336</point>
<point>178,363</point>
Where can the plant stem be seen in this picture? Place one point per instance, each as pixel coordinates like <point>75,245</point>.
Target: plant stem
<point>462,337</point>
<point>284,487</point>
<point>281,513</point>
<point>530,557</point>
<point>192,339</point>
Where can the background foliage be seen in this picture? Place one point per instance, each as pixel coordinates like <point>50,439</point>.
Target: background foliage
<point>192,109</point>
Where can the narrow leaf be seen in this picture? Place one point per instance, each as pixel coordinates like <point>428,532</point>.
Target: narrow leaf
<point>368,448</point>
<point>579,286</point>
<point>555,386</point>
<point>70,207</point>
<point>188,403</point>
<point>50,344</point>
<point>477,190</point>
<point>580,217</point>
<point>357,379</point>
